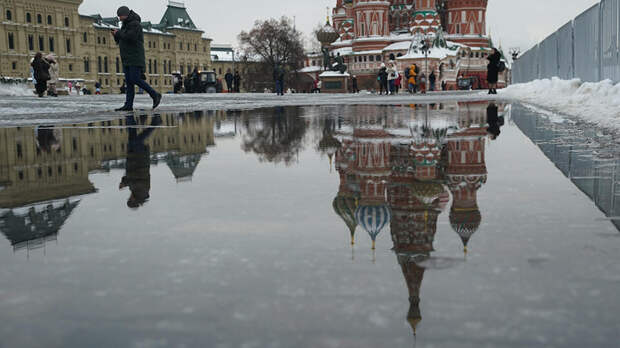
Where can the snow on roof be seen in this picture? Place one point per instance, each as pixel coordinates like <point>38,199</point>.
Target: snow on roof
<point>398,46</point>
<point>344,51</point>
<point>334,74</point>
<point>311,69</point>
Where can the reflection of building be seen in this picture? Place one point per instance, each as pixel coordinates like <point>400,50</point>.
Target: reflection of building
<point>411,173</point>
<point>30,229</point>
<point>33,173</point>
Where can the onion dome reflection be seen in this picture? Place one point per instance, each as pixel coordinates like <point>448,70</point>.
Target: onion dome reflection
<point>31,227</point>
<point>466,170</point>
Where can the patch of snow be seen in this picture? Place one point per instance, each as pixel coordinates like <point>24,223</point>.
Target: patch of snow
<point>595,102</point>
<point>15,90</point>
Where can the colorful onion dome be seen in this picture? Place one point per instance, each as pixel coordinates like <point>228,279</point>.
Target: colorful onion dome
<point>345,207</point>
<point>465,222</point>
<point>373,219</point>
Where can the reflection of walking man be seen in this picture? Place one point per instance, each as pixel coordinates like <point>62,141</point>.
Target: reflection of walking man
<point>130,40</point>
<point>138,167</point>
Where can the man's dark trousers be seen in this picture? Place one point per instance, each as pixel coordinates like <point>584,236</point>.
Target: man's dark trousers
<point>133,76</point>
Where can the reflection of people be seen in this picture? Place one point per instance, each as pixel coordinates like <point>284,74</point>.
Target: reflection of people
<point>48,139</point>
<point>494,121</point>
<point>137,171</point>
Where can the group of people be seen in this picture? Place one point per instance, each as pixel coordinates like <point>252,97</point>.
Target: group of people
<point>45,73</point>
<point>391,80</point>
<point>233,82</point>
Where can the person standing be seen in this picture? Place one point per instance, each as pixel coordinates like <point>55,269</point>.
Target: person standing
<point>412,79</point>
<point>397,83</point>
<point>229,81</point>
<point>54,71</point>
<point>432,79</point>
<point>493,70</point>
<point>40,73</point>
<point>97,88</point>
<point>354,84</point>
<point>237,82</point>
<point>383,80</point>
<point>392,76</point>
<point>130,40</point>
<point>278,75</point>
<point>70,86</point>
<point>423,83</point>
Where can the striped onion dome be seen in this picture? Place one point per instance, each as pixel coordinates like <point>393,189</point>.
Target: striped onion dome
<point>345,207</point>
<point>373,219</point>
<point>465,223</point>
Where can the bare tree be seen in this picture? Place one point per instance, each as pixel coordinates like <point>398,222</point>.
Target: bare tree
<point>274,42</point>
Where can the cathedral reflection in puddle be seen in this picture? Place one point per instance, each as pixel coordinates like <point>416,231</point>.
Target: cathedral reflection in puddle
<point>402,173</point>
<point>399,168</point>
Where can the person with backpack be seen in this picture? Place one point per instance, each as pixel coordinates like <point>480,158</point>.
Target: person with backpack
<point>41,73</point>
<point>412,81</point>
<point>493,70</point>
<point>130,40</point>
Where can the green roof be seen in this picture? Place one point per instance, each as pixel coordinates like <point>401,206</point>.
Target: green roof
<point>177,16</point>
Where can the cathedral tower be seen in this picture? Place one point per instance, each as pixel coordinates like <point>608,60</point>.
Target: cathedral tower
<point>467,21</point>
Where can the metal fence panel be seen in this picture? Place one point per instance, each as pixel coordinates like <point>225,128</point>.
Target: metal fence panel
<point>610,64</point>
<point>587,45</point>
<point>564,38</point>
<point>548,57</point>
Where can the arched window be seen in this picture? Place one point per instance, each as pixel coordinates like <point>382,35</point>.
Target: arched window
<point>28,18</point>
<point>39,19</point>
<point>9,15</point>
<point>85,37</point>
<point>49,20</point>
<point>66,21</point>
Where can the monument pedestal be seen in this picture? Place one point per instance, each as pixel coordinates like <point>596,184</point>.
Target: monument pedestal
<point>334,82</point>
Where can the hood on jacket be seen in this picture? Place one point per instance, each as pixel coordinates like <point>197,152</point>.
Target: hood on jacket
<point>133,17</point>
<point>50,58</point>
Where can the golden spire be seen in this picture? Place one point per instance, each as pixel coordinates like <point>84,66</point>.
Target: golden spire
<point>327,11</point>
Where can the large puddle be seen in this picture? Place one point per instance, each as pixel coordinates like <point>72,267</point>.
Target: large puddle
<point>429,225</point>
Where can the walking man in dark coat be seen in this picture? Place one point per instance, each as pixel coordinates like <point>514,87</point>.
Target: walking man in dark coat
<point>229,81</point>
<point>237,82</point>
<point>130,40</point>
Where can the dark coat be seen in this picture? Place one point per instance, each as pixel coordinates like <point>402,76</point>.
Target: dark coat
<point>41,70</point>
<point>383,75</point>
<point>279,73</point>
<point>229,78</point>
<point>432,78</point>
<point>237,79</point>
<point>130,40</point>
<point>493,67</point>
<point>493,120</point>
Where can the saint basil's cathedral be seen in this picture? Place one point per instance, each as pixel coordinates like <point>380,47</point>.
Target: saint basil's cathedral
<point>371,32</point>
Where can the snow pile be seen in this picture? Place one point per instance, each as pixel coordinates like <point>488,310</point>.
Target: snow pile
<point>596,102</point>
<point>15,90</point>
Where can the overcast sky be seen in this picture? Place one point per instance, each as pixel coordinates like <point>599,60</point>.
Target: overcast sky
<point>519,23</point>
